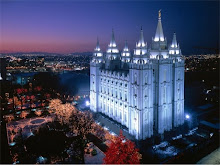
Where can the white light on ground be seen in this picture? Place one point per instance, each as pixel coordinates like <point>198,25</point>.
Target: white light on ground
<point>87,103</point>
<point>187,116</point>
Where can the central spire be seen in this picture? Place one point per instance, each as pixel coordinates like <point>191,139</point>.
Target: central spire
<point>159,32</point>
<point>112,47</point>
<point>113,43</point>
<point>141,41</point>
<point>126,45</point>
<point>97,45</point>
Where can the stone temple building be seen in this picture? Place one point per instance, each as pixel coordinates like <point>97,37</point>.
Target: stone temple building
<point>143,90</point>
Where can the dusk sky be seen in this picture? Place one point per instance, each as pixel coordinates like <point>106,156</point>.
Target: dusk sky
<point>69,26</point>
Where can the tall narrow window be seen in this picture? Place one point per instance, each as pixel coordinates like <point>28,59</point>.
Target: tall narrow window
<point>146,79</point>
<point>135,102</point>
<point>164,94</point>
<point>146,121</point>
<point>178,107</point>
<point>135,78</point>
<point>165,75</point>
<point>178,75</point>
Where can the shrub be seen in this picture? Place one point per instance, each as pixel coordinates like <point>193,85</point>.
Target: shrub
<point>94,152</point>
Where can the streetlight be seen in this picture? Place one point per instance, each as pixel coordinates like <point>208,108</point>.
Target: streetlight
<point>187,116</point>
<point>87,103</point>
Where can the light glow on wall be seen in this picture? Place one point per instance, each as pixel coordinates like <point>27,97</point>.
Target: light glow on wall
<point>156,39</point>
<point>99,54</point>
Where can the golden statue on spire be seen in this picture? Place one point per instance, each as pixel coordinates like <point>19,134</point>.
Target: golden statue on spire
<point>159,13</point>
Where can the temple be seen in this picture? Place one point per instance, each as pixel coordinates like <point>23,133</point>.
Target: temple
<point>143,90</point>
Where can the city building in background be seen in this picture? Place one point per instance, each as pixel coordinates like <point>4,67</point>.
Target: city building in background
<point>2,69</point>
<point>144,90</point>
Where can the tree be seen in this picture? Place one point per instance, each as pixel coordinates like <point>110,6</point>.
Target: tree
<point>122,151</point>
<point>54,104</point>
<point>62,111</point>
<point>38,113</point>
<point>81,123</point>
<point>24,114</point>
<point>9,118</point>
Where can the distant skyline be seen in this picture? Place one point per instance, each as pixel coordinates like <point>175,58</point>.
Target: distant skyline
<point>70,26</point>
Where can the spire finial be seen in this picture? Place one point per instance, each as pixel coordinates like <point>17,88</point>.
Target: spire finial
<point>159,32</point>
<point>141,41</point>
<point>97,41</point>
<point>159,14</point>
<point>126,44</point>
<point>113,36</point>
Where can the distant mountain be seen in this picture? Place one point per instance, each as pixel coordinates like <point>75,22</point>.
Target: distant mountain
<point>82,53</point>
<point>46,53</point>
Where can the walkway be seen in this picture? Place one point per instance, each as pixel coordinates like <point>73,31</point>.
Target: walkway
<point>212,158</point>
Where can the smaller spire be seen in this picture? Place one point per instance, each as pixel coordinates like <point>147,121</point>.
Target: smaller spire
<point>141,41</point>
<point>126,46</point>
<point>97,45</point>
<point>112,43</point>
<point>113,36</point>
<point>97,42</point>
<point>174,42</point>
<point>126,51</point>
<point>126,43</point>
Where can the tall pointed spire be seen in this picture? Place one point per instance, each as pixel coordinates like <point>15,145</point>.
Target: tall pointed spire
<point>159,32</point>
<point>141,41</point>
<point>174,42</point>
<point>174,47</point>
<point>113,43</point>
<point>112,47</point>
<point>97,45</point>
<point>126,44</point>
<point>97,51</point>
<point>141,47</point>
